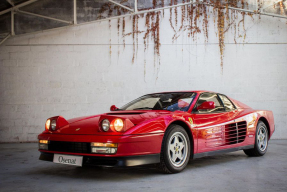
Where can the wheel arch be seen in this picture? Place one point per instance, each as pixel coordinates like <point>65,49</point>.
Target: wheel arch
<point>265,121</point>
<point>188,130</point>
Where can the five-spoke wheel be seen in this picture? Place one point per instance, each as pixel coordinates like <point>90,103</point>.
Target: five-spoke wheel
<point>177,149</point>
<point>175,152</point>
<point>261,141</point>
<point>262,138</point>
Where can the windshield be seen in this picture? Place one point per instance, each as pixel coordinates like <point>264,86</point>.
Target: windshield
<point>161,101</point>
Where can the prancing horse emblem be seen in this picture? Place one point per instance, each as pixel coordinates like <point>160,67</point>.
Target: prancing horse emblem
<point>78,129</point>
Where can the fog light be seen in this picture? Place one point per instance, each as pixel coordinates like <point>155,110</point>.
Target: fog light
<point>43,144</point>
<point>106,148</point>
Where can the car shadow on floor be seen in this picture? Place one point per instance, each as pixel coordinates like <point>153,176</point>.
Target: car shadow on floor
<point>217,159</point>
<point>124,173</point>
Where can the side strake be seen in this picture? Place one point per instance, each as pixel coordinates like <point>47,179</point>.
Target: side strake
<point>229,134</point>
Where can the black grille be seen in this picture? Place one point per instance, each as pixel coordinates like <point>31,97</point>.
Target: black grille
<point>235,133</point>
<point>73,147</point>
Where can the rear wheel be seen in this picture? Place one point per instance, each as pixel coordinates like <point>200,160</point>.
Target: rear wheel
<point>261,141</point>
<point>175,150</point>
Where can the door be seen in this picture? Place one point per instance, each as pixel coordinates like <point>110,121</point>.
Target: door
<point>210,135</point>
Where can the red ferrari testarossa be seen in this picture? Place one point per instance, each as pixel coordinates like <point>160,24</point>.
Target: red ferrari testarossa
<point>167,129</point>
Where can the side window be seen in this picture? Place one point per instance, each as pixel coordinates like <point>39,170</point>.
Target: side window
<point>209,97</point>
<point>227,103</point>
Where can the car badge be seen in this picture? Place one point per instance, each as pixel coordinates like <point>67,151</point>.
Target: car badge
<point>78,129</point>
<point>190,120</point>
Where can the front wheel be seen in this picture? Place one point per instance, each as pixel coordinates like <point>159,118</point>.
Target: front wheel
<point>261,141</point>
<point>175,150</point>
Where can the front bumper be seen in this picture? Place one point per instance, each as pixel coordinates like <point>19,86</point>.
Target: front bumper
<point>112,161</point>
<point>128,145</point>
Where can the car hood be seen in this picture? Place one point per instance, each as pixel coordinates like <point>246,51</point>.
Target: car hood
<point>90,124</point>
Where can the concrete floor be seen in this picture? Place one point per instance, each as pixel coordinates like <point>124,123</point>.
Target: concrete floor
<point>22,171</point>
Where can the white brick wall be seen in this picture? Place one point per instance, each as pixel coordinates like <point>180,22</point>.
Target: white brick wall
<point>70,72</point>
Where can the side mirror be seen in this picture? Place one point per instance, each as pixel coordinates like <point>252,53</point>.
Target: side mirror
<point>206,105</point>
<point>113,108</point>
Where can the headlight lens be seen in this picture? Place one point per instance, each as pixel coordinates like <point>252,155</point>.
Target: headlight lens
<point>54,124</point>
<point>47,125</point>
<point>105,125</point>
<point>118,124</point>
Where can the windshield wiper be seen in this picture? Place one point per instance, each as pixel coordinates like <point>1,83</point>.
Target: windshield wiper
<point>143,108</point>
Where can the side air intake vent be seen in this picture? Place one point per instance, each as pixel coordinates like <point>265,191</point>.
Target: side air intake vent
<point>235,133</point>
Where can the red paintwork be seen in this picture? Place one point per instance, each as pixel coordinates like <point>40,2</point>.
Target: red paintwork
<point>113,108</point>
<point>61,122</point>
<point>146,129</point>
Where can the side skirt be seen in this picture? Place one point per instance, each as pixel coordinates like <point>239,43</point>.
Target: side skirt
<point>217,152</point>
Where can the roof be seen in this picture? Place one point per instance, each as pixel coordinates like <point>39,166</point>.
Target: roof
<point>195,91</point>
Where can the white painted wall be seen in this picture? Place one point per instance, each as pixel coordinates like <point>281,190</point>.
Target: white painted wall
<point>70,71</point>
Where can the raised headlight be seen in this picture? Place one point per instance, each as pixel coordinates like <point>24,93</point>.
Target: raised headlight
<point>118,124</point>
<point>54,124</point>
<point>47,125</point>
<point>105,125</point>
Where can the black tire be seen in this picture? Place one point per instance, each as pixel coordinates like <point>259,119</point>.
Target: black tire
<point>166,165</point>
<point>258,151</point>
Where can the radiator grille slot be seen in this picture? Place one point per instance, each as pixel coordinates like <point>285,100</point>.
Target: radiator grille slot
<point>73,147</point>
<point>235,132</point>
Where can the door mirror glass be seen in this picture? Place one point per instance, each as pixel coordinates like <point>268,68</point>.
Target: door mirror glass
<point>207,105</point>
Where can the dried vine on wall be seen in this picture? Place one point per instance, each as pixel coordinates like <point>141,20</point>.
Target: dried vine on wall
<point>108,9</point>
<point>282,7</point>
<point>191,17</point>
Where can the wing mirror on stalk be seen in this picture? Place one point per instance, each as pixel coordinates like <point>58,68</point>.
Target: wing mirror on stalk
<point>206,105</point>
<point>113,108</point>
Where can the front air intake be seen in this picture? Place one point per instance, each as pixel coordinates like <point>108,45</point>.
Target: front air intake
<point>72,147</point>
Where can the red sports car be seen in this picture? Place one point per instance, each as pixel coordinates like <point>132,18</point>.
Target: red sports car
<point>167,129</point>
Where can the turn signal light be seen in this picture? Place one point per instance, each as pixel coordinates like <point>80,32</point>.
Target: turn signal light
<point>43,141</point>
<point>43,144</point>
<point>104,145</point>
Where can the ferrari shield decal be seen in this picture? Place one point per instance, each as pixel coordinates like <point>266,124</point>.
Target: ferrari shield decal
<point>190,120</point>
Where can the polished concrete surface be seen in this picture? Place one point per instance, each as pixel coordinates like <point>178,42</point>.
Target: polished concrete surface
<point>22,171</point>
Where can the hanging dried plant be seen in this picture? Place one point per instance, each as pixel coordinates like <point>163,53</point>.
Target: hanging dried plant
<point>123,31</point>
<point>175,12</point>
<point>220,27</point>
<point>118,27</point>
<point>153,30</point>
<point>110,41</point>
<point>192,16</point>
